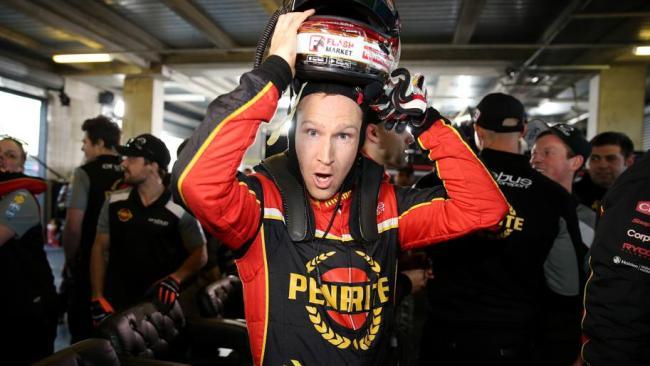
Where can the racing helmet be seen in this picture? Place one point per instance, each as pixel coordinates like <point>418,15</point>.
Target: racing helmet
<point>348,41</point>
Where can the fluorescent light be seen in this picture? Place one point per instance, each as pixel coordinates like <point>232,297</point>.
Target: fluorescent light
<point>642,51</point>
<point>184,98</point>
<point>82,58</point>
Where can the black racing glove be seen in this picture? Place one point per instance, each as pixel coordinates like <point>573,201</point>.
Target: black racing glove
<point>404,103</point>
<point>166,292</point>
<point>100,309</point>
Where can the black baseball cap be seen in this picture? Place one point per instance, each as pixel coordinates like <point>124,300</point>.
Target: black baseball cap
<point>493,110</point>
<point>573,138</point>
<point>147,146</point>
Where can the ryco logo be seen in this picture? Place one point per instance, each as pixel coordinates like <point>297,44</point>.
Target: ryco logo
<point>348,296</point>
<point>633,234</point>
<point>511,181</point>
<point>643,207</point>
<point>638,251</point>
<point>124,215</point>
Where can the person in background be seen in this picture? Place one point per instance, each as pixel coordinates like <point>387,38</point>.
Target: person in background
<point>28,310</point>
<point>611,154</point>
<point>145,242</point>
<point>486,299</point>
<point>559,153</point>
<point>616,322</point>
<point>405,177</point>
<point>91,184</point>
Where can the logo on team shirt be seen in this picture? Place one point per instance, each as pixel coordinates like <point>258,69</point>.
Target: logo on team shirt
<point>511,223</point>
<point>348,296</point>
<point>640,222</point>
<point>636,250</point>
<point>158,221</point>
<point>14,206</point>
<point>124,214</point>
<point>643,207</point>
<point>508,180</point>
<point>635,235</point>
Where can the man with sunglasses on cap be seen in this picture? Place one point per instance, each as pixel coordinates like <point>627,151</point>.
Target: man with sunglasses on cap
<point>486,296</point>
<point>316,229</point>
<point>558,153</point>
<point>144,240</point>
<point>28,309</point>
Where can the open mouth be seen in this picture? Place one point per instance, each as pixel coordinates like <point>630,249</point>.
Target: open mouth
<point>323,181</point>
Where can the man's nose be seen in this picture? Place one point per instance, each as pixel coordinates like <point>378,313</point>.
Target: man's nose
<point>326,153</point>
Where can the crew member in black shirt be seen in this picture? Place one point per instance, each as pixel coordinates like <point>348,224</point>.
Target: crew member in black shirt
<point>28,315</point>
<point>487,291</point>
<point>92,182</point>
<point>144,240</point>
<point>616,325</point>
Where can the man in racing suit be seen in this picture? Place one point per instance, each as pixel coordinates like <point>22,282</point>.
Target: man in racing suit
<point>616,325</point>
<point>317,245</point>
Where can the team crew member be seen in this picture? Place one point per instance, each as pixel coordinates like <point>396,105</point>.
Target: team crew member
<point>143,238</point>
<point>617,300</point>
<point>318,250</point>
<point>611,154</point>
<point>92,182</point>
<point>559,153</point>
<point>487,292</point>
<point>28,305</point>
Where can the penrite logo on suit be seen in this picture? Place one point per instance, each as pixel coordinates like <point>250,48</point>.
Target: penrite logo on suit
<point>348,296</point>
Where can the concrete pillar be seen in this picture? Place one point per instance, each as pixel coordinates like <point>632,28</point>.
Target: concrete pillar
<point>616,101</point>
<point>143,106</point>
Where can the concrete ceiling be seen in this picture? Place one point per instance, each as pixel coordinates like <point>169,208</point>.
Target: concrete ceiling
<point>539,51</point>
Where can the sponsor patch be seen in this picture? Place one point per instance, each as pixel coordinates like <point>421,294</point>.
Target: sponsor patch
<point>124,214</point>
<point>640,222</point>
<point>643,207</point>
<point>508,180</point>
<point>636,250</point>
<point>639,236</point>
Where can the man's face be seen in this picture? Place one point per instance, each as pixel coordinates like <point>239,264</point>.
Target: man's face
<point>11,157</point>
<point>136,170</point>
<point>605,164</point>
<point>327,139</point>
<point>550,157</point>
<point>91,151</point>
<point>393,146</point>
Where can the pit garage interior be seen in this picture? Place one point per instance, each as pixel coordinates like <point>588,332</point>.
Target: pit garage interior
<point>157,64</point>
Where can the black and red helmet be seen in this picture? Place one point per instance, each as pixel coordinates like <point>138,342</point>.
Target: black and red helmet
<point>348,41</point>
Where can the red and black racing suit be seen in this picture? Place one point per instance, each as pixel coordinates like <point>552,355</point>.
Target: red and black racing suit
<point>292,319</point>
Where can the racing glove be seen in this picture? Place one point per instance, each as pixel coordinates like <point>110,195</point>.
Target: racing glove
<point>100,309</point>
<point>166,291</point>
<point>404,103</point>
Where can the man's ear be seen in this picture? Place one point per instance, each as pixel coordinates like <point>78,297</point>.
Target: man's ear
<point>576,162</point>
<point>629,161</point>
<point>372,133</point>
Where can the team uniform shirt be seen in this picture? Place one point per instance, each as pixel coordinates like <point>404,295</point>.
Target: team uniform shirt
<point>617,299</point>
<point>488,290</point>
<point>147,243</point>
<point>91,184</point>
<point>327,301</point>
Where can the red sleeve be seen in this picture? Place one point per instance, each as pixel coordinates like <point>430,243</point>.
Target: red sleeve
<point>471,199</point>
<point>204,177</point>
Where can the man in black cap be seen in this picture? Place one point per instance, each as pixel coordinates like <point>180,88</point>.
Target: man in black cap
<point>143,238</point>
<point>486,295</point>
<point>559,153</point>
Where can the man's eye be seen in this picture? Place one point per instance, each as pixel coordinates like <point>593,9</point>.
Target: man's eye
<point>344,136</point>
<point>311,132</point>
